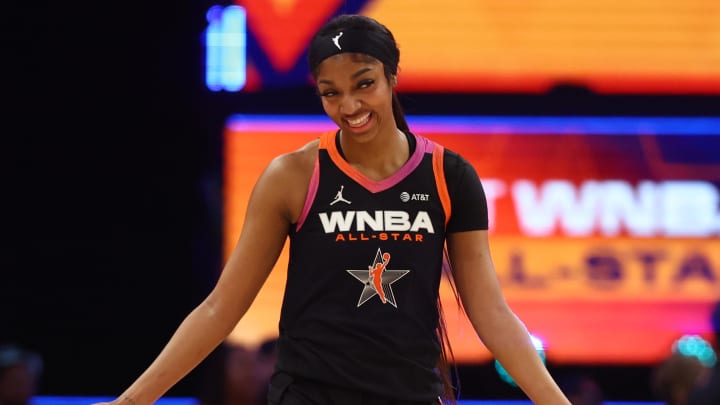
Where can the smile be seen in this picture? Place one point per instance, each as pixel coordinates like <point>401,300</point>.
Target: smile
<point>359,121</point>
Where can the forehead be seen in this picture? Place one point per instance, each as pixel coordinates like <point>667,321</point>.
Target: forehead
<point>345,65</point>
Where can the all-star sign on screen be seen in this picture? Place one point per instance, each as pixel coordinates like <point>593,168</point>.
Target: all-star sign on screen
<point>608,46</point>
<point>605,232</point>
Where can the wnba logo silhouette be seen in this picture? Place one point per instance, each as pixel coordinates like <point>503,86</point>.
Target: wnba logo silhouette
<point>336,40</point>
<point>377,280</point>
<point>376,275</point>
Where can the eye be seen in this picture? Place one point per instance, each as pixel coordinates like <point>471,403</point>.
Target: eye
<point>365,83</point>
<point>327,93</point>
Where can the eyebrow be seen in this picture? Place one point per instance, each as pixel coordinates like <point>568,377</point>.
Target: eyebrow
<point>354,75</point>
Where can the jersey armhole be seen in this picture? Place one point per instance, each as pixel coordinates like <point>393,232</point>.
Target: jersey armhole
<point>438,159</point>
<point>312,190</point>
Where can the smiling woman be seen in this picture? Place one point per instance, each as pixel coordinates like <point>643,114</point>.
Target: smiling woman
<point>355,72</point>
<point>355,307</point>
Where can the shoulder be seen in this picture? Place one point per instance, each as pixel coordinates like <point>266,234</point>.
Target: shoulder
<point>296,162</point>
<point>455,165</point>
<point>453,157</point>
<point>287,178</point>
<point>450,156</point>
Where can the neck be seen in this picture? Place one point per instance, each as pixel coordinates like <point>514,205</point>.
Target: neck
<point>378,158</point>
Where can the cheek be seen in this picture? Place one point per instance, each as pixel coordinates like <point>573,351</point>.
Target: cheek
<point>386,102</point>
<point>382,96</point>
<point>328,107</point>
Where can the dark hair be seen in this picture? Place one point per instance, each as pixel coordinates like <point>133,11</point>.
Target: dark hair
<point>385,39</point>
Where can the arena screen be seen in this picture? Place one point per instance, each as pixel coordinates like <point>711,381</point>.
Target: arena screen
<point>466,46</point>
<point>605,232</point>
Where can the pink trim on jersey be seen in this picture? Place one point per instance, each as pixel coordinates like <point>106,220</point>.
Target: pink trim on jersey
<point>429,145</point>
<point>310,197</point>
<point>423,145</point>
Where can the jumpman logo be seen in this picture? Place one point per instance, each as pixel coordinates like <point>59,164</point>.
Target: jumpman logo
<point>336,40</point>
<point>339,197</point>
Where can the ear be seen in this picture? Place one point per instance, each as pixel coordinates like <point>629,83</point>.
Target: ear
<point>394,80</point>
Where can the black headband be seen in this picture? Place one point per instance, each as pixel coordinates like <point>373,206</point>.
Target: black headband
<point>353,40</point>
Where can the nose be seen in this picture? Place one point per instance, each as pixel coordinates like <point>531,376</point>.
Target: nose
<point>350,105</point>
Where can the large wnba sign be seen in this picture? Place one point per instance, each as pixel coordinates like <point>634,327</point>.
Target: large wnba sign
<point>674,208</point>
<point>605,232</point>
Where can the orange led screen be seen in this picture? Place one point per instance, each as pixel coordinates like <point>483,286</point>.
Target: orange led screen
<point>608,46</point>
<point>605,232</point>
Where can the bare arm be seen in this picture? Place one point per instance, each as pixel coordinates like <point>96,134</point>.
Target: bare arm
<point>495,323</point>
<point>264,233</point>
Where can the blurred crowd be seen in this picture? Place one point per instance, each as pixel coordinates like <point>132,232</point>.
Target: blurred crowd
<point>242,373</point>
<point>20,372</point>
<point>686,380</point>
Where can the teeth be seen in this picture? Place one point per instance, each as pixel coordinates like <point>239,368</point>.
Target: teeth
<point>359,121</point>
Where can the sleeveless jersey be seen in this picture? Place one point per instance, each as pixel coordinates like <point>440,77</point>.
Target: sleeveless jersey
<point>360,304</point>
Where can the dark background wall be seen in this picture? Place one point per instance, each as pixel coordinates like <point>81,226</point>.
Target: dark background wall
<point>113,224</point>
<point>106,143</point>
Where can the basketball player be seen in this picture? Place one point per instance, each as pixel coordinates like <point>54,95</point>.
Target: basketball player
<point>355,326</point>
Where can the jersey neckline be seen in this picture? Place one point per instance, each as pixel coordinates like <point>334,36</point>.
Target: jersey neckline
<point>375,186</point>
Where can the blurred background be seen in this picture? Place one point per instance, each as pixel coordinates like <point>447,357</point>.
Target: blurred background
<point>594,125</point>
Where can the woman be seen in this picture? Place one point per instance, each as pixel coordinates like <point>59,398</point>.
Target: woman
<point>368,209</point>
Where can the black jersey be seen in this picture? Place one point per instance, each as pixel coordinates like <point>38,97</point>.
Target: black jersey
<point>360,304</point>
